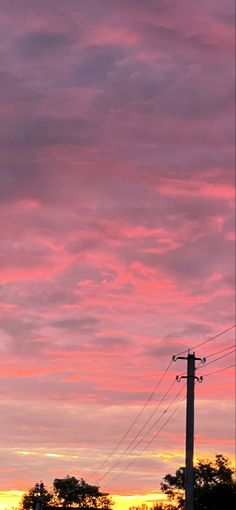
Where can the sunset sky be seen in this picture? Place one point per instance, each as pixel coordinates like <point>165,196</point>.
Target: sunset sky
<point>116,237</point>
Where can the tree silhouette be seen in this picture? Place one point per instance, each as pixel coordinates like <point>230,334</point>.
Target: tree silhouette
<point>214,487</point>
<point>67,492</point>
<point>36,498</point>
<point>70,491</point>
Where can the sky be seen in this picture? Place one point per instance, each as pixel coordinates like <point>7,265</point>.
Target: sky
<point>116,237</point>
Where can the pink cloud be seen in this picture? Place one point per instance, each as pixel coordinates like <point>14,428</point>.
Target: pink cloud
<point>116,228</point>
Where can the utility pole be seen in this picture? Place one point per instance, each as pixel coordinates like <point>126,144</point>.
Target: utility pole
<point>40,492</point>
<point>189,440</point>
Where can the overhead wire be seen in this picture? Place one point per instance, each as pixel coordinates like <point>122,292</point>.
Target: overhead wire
<point>219,352</point>
<point>129,448</point>
<point>219,370</point>
<point>163,425</point>
<point>134,421</point>
<point>202,362</point>
<point>208,339</point>
<point>152,439</point>
<point>217,359</point>
<point>124,436</point>
<point>157,421</point>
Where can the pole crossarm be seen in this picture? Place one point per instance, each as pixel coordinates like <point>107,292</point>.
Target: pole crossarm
<point>174,358</point>
<point>198,379</point>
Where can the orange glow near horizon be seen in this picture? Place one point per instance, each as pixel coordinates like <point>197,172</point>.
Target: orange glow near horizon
<point>11,499</point>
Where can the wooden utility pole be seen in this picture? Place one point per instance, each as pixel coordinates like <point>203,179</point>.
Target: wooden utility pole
<point>189,440</point>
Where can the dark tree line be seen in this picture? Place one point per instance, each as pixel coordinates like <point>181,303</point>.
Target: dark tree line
<point>215,489</point>
<point>66,493</point>
<point>214,486</point>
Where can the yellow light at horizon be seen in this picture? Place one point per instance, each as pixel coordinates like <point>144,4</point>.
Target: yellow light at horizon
<point>26,452</point>
<point>10,499</point>
<point>46,454</point>
<point>166,456</point>
<point>53,455</point>
<point>125,502</point>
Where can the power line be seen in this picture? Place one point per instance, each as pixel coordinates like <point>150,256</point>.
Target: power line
<point>219,370</point>
<point>134,421</point>
<point>129,448</point>
<point>133,460</point>
<point>157,421</point>
<point>152,439</point>
<point>149,399</point>
<point>208,339</point>
<point>203,364</point>
<point>155,435</point>
<point>214,354</point>
<point>219,352</point>
<point>217,359</point>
